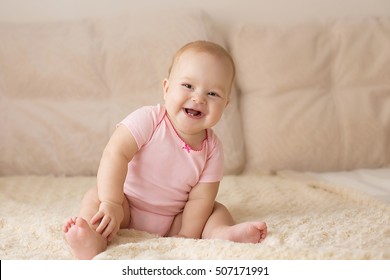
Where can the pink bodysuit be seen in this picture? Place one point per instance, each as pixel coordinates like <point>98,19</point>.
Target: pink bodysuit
<point>164,170</point>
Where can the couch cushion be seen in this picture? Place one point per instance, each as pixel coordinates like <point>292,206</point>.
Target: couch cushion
<point>315,96</point>
<point>64,86</point>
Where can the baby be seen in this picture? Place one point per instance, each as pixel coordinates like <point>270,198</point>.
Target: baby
<point>162,166</point>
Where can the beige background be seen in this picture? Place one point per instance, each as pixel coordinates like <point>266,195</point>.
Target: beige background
<point>230,12</point>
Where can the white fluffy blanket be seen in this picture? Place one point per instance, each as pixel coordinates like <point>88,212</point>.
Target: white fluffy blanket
<point>306,220</point>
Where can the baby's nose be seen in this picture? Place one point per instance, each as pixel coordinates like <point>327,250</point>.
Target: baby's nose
<point>198,98</point>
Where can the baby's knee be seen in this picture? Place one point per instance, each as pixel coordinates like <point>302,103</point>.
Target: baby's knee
<point>218,205</point>
<point>92,194</point>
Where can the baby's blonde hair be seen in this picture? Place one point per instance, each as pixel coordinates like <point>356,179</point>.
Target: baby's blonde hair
<point>206,47</point>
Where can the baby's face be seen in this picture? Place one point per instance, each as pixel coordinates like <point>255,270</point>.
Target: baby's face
<point>197,91</point>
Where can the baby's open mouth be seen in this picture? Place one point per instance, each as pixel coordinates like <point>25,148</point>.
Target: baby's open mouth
<point>192,113</point>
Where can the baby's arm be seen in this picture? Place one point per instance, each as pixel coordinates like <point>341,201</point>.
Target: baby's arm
<point>110,178</point>
<point>198,209</point>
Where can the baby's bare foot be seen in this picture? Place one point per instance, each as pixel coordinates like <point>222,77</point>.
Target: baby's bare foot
<point>247,232</point>
<point>83,240</point>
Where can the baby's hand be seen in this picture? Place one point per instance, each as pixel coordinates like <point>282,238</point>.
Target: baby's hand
<point>109,216</point>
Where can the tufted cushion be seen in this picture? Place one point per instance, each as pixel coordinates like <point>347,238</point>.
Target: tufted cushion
<point>64,86</point>
<point>315,96</point>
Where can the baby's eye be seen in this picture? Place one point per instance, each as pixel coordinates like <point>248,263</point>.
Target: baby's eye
<point>213,94</point>
<point>187,86</point>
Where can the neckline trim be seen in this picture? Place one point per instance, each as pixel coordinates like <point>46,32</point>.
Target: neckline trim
<point>186,146</point>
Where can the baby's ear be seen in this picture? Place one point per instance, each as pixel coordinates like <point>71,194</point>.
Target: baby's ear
<point>165,85</point>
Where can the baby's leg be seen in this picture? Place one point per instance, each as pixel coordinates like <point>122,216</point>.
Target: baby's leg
<point>221,225</point>
<point>81,236</point>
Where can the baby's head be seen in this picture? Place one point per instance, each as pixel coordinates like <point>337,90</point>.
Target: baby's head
<point>210,48</point>
<point>198,87</point>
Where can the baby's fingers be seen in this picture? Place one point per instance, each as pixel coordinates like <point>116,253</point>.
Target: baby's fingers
<point>112,231</point>
<point>97,217</point>
<point>104,223</point>
<point>111,236</point>
<point>109,230</point>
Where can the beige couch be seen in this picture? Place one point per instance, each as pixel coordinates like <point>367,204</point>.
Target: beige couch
<point>312,96</point>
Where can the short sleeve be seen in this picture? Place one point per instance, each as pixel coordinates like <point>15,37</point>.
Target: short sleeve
<point>143,122</point>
